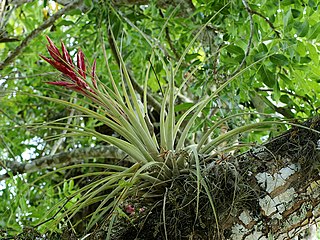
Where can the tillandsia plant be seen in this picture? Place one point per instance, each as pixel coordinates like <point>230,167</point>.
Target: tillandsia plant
<point>161,168</point>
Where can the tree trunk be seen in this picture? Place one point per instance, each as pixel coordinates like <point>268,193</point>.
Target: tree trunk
<point>284,177</point>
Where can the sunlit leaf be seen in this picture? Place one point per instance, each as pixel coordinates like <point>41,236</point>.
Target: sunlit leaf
<point>314,31</point>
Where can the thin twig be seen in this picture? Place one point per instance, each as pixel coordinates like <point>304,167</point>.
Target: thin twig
<point>152,42</point>
<point>51,218</point>
<point>248,9</point>
<point>267,20</point>
<point>58,143</point>
<point>7,147</point>
<point>304,98</point>
<point>154,72</point>
<point>36,32</point>
<point>175,52</point>
<point>286,112</point>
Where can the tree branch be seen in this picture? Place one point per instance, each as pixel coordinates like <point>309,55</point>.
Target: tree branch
<point>267,20</point>
<point>304,98</point>
<point>62,158</point>
<point>283,178</point>
<point>36,32</point>
<point>283,111</point>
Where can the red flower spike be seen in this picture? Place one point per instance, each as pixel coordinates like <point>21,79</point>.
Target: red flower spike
<point>54,48</point>
<point>55,55</point>
<point>81,64</point>
<point>61,83</point>
<point>66,55</point>
<point>71,86</point>
<point>54,51</point>
<point>60,67</point>
<point>93,74</point>
<point>63,63</point>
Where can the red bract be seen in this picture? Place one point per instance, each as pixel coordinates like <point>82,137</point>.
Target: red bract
<point>63,63</point>
<point>80,63</point>
<point>93,74</point>
<point>66,54</point>
<point>71,86</point>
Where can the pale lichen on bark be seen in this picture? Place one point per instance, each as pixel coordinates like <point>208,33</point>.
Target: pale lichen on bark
<point>286,179</point>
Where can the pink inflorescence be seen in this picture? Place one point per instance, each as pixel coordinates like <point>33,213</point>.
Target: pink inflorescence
<point>63,63</point>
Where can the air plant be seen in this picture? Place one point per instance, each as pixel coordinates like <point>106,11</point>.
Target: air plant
<point>156,162</point>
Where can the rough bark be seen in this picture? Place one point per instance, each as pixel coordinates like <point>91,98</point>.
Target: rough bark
<point>269,192</point>
<point>283,177</point>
